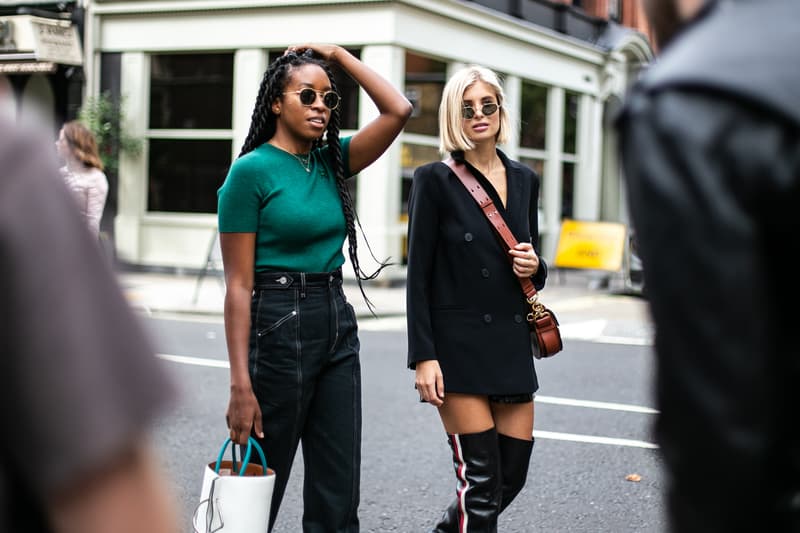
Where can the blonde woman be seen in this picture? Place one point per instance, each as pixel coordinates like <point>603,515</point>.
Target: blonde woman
<point>468,339</point>
<point>83,171</point>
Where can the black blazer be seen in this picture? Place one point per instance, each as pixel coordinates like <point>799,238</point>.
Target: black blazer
<point>464,303</point>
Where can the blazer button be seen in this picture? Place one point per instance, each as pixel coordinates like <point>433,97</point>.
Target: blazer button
<point>485,272</point>
<point>468,237</point>
<point>518,319</point>
<point>487,318</point>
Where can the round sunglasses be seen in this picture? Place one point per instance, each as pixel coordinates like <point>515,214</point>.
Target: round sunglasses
<point>487,109</point>
<point>309,96</point>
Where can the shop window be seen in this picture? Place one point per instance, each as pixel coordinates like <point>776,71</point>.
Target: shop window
<point>538,166</point>
<point>185,174</point>
<point>571,106</point>
<point>412,156</point>
<point>425,79</point>
<point>567,190</point>
<point>190,130</point>
<point>533,116</point>
<point>191,91</point>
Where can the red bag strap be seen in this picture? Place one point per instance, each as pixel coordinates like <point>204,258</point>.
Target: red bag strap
<point>492,214</point>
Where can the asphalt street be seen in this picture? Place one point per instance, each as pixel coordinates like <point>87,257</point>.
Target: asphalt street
<point>594,421</point>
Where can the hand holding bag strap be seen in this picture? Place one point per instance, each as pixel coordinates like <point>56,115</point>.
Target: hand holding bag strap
<point>251,443</point>
<point>490,210</point>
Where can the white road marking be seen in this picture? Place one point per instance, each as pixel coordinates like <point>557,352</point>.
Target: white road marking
<point>197,361</point>
<point>587,329</point>
<point>572,437</point>
<point>596,405</point>
<point>591,439</point>
<point>592,331</point>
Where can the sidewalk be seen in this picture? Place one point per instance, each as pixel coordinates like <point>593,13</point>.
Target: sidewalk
<point>585,311</point>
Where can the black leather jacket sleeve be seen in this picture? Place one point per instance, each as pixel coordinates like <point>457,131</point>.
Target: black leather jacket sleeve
<point>714,194</point>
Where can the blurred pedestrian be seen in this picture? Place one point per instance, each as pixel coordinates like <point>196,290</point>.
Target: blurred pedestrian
<point>284,212</point>
<point>83,171</point>
<point>80,382</point>
<point>711,150</point>
<point>468,340</point>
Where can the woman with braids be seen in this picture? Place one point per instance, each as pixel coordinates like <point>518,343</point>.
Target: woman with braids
<point>284,213</point>
<point>470,348</point>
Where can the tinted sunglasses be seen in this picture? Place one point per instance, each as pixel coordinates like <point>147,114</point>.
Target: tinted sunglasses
<point>487,109</point>
<point>309,96</point>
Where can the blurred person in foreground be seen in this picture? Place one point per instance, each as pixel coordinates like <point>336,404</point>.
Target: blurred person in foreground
<point>83,171</point>
<point>711,149</point>
<point>80,383</point>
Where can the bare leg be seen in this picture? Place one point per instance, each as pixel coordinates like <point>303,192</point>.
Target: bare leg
<point>476,458</point>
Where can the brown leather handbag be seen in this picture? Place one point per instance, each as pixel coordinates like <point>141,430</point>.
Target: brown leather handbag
<point>545,335</point>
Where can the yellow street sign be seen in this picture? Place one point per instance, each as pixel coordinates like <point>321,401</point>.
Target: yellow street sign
<point>590,245</point>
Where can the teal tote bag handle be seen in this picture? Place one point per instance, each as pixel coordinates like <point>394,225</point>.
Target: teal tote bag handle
<point>251,443</point>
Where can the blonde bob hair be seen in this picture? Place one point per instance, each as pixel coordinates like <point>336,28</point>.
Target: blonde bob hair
<point>451,124</point>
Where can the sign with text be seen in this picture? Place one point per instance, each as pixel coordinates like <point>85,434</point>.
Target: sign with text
<point>590,245</point>
<point>57,43</point>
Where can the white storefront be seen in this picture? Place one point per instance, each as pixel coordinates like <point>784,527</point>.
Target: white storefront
<point>188,71</point>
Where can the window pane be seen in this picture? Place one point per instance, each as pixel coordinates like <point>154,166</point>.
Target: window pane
<point>191,91</point>
<point>538,166</point>
<point>185,174</point>
<point>533,116</point>
<point>425,79</point>
<point>413,156</point>
<point>345,86</point>
<point>571,122</point>
<point>568,190</point>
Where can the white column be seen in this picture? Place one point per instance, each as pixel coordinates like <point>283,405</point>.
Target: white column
<point>132,193</point>
<point>91,55</point>
<point>248,69</point>
<point>554,146</point>
<point>513,105</point>
<point>588,169</point>
<point>454,67</point>
<point>378,198</point>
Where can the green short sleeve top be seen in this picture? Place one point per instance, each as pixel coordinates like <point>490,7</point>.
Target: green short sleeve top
<point>295,213</point>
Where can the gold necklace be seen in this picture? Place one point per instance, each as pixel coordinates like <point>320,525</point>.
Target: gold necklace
<point>305,162</point>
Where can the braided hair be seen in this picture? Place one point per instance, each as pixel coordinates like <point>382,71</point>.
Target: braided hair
<point>263,126</point>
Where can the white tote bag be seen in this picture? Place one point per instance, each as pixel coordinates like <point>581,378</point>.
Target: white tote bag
<point>235,497</point>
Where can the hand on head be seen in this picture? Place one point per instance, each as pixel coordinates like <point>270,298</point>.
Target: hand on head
<point>323,51</point>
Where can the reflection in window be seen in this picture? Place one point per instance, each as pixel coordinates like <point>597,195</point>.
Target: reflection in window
<point>185,174</point>
<point>571,106</point>
<point>191,91</point>
<point>533,116</point>
<point>425,79</point>
<point>345,86</point>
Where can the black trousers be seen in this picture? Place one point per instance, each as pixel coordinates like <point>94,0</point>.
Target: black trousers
<point>306,374</point>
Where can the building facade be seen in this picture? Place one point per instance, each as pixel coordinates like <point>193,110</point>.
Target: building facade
<point>188,72</point>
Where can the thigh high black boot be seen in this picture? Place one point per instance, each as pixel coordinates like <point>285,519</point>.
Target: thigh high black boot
<point>476,460</point>
<point>515,456</point>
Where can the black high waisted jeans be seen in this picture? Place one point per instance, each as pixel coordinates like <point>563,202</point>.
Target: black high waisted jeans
<point>306,374</point>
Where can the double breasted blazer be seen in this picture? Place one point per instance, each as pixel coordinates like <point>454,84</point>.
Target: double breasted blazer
<point>465,306</point>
